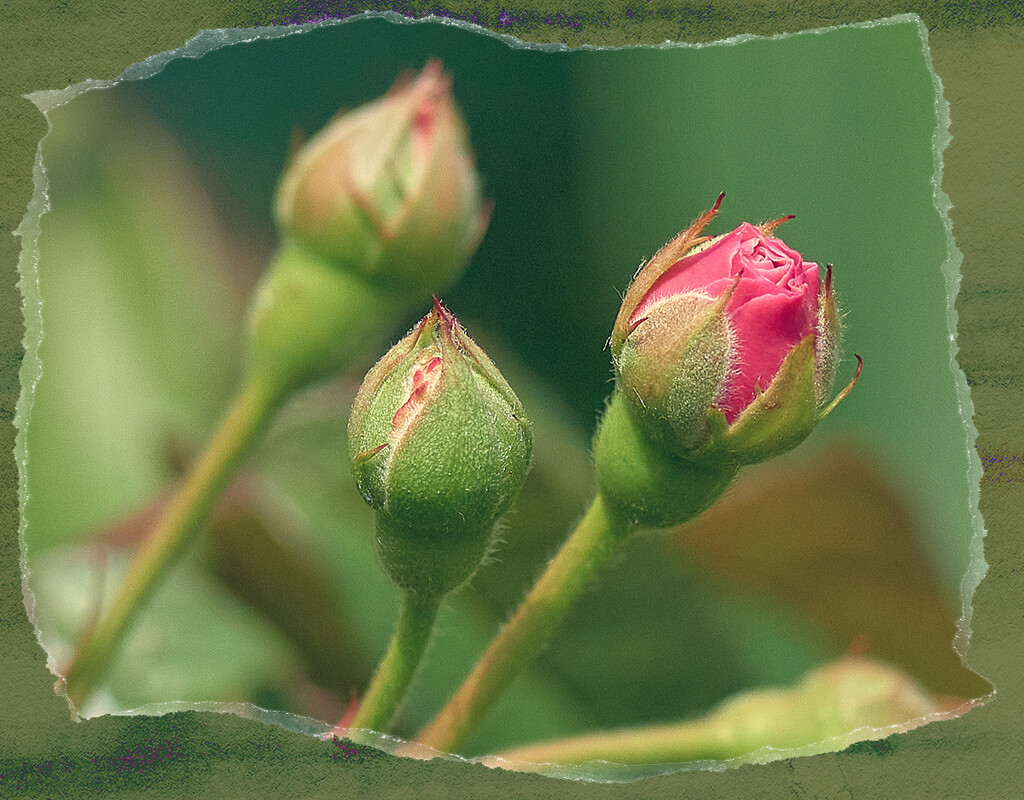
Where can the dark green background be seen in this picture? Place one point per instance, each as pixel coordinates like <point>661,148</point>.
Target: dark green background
<point>974,179</point>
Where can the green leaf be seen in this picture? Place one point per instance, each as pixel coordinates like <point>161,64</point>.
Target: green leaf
<point>194,643</point>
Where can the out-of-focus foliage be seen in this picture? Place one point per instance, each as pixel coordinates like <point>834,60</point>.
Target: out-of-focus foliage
<point>140,325</point>
<point>854,699</point>
<point>829,539</point>
<point>194,642</point>
<point>594,160</point>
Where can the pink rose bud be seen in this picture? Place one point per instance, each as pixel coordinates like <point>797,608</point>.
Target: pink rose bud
<point>390,189</point>
<point>727,346</point>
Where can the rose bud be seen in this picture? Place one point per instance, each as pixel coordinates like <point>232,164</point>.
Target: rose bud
<point>726,347</point>
<point>390,189</point>
<point>440,448</point>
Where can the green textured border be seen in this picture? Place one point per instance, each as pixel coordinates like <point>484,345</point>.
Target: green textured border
<point>977,50</point>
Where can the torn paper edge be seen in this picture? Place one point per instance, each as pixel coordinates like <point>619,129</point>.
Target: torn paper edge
<point>207,41</point>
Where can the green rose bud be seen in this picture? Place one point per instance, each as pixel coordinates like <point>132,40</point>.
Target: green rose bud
<point>440,448</point>
<point>390,189</point>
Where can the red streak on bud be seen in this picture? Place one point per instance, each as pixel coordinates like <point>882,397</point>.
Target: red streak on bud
<point>423,122</point>
<point>423,380</point>
<point>435,88</point>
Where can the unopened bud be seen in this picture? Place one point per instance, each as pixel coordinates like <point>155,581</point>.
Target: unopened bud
<point>726,347</point>
<point>390,189</point>
<point>440,448</point>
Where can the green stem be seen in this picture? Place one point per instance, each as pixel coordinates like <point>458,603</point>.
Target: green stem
<point>399,664</point>
<point>662,744</point>
<point>246,418</point>
<point>567,575</point>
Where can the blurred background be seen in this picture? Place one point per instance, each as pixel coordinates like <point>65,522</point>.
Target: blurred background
<point>159,226</point>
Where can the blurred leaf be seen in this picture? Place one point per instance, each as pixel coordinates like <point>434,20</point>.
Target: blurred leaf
<point>266,569</point>
<point>194,642</point>
<point>270,572</point>
<point>828,538</point>
<point>141,332</point>
<point>140,322</point>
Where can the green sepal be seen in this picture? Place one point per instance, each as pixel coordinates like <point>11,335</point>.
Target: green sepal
<point>827,344</point>
<point>684,243</point>
<point>646,485</point>
<point>672,366</point>
<point>776,421</point>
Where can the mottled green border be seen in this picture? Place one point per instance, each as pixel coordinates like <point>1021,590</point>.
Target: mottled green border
<point>978,53</point>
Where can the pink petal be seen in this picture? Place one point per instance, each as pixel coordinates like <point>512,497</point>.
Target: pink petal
<point>773,307</point>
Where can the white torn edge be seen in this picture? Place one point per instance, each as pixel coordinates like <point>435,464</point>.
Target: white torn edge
<point>284,719</point>
<point>207,41</point>
<point>977,567</point>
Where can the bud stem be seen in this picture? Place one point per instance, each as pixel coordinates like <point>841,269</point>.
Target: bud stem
<point>396,669</point>
<point>245,420</point>
<point>567,575</point>
<point>663,744</point>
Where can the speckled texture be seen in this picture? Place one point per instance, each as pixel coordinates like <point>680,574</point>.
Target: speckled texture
<point>978,52</point>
